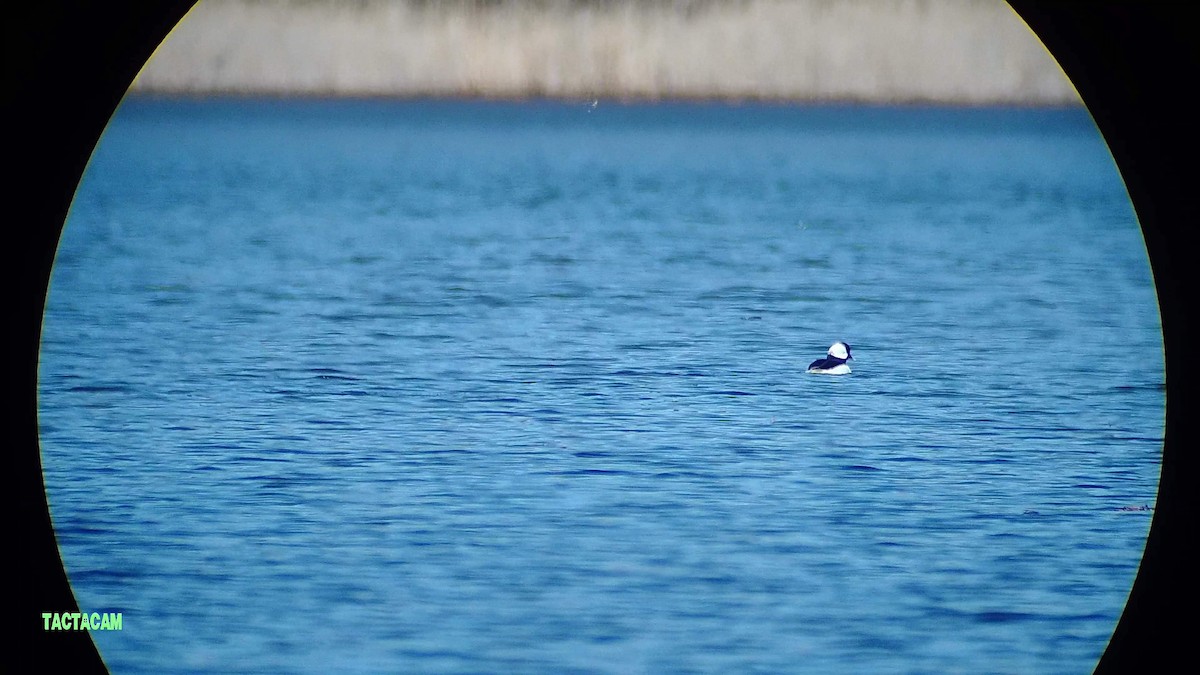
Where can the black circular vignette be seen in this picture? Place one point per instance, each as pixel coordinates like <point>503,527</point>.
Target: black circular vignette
<point>67,66</point>
<point>1132,64</point>
<point>69,63</point>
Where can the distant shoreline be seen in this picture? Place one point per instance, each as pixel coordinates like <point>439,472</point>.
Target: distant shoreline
<point>144,95</point>
<point>906,52</point>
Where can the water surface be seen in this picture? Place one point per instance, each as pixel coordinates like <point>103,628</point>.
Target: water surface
<point>447,387</point>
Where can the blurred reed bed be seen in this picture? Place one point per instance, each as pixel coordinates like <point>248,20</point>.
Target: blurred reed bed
<point>887,51</point>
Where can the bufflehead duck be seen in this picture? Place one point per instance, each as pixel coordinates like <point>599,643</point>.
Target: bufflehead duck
<point>835,362</point>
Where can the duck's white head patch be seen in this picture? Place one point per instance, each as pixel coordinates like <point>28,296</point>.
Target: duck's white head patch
<point>840,350</point>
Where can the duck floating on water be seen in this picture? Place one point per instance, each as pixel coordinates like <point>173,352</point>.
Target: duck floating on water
<point>834,362</point>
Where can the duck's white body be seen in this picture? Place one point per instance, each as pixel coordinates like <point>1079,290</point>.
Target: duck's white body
<point>839,369</point>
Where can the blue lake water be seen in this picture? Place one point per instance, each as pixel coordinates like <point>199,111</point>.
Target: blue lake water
<point>371,386</point>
